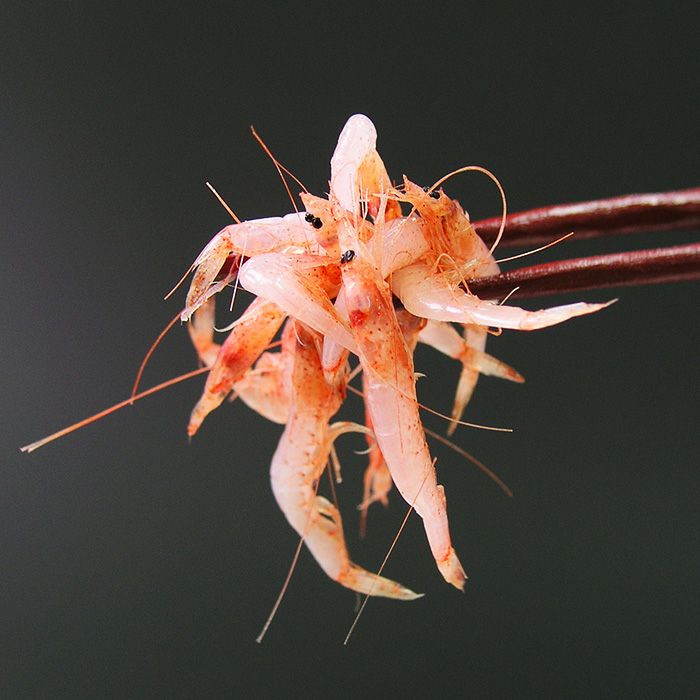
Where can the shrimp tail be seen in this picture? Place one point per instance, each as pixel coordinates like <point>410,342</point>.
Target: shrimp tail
<point>367,583</point>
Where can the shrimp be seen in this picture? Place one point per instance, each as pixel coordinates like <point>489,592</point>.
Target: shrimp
<point>299,461</point>
<point>358,174</point>
<point>301,285</point>
<point>431,287</point>
<point>290,233</point>
<point>377,479</point>
<point>391,400</point>
<point>249,337</point>
<point>262,388</point>
<point>438,297</point>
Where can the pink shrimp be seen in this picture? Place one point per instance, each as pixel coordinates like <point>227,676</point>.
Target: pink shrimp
<point>377,479</point>
<point>439,297</point>
<point>299,461</point>
<point>262,388</point>
<point>333,273</point>
<point>430,288</point>
<point>391,400</point>
<point>290,233</point>
<point>249,337</point>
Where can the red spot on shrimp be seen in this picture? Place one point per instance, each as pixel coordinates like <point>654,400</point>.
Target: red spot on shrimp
<point>357,318</point>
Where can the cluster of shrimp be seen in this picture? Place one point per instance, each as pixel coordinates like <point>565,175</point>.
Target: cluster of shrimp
<point>353,274</point>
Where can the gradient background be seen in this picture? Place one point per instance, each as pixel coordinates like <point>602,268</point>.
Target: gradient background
<point>136,566</point>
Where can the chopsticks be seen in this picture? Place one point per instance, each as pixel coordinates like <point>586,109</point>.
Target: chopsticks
<point>638,213</point>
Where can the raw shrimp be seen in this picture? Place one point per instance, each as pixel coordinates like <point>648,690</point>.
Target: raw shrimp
<point>352,274</point>
<point>264,388</point>
<point>391,400</point>
<point>249,337</point>
<point>289,233</point>
<point>336,272</point>
<point>437,296</point>
<point>299,461</point>
<point>377,479</point>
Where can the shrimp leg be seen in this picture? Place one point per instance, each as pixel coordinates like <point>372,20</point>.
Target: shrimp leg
<point>469,350</point>
<point>299,461</point>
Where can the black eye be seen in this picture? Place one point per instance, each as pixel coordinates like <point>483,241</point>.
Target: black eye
<point>435,194</point>
<point>317,223</point>
<point>309,218</point>
<point>347,256</point>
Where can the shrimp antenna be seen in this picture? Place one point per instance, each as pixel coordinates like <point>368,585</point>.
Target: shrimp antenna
<point>97,416</point>
<point>471,458</point>
<point>147,356</point>
<point>491,176</point>
<point>223,203</point>
<point>460,451</point>
<point>288,578</point>
<point>179,282</point>
<point>191,267</point>
<point>536,250</point>
<point>238,221</point>
<point>238,270</point>
<point>463,422</point>
<point>238,273</point>
<point>283,590</point>
<point>442,415</point>
<point>280,169</point>
<point>386,558</point>
<point>122,404</point>
<point>503,301</point>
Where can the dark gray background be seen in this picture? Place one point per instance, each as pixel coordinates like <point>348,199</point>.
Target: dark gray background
<point>136,566</point>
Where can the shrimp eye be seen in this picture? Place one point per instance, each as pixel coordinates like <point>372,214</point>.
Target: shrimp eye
<point>347,256</point>
<point>317,223</point>
<point>309,218</point>
<point>435,194</point>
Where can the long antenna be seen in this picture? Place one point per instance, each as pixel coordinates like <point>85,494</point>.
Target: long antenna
<point>280,168</point>
<point>447,418</point>
<point>223,203</point>
<point>388,554</point>
<point>491,176</point>
<point>147,356</point>
<point>127,402</point>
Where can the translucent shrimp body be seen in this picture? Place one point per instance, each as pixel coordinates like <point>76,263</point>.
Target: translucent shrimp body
<point>438,298</point>
<point>392,404</point>
<point>286,234</point>
<point>299,461</point>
